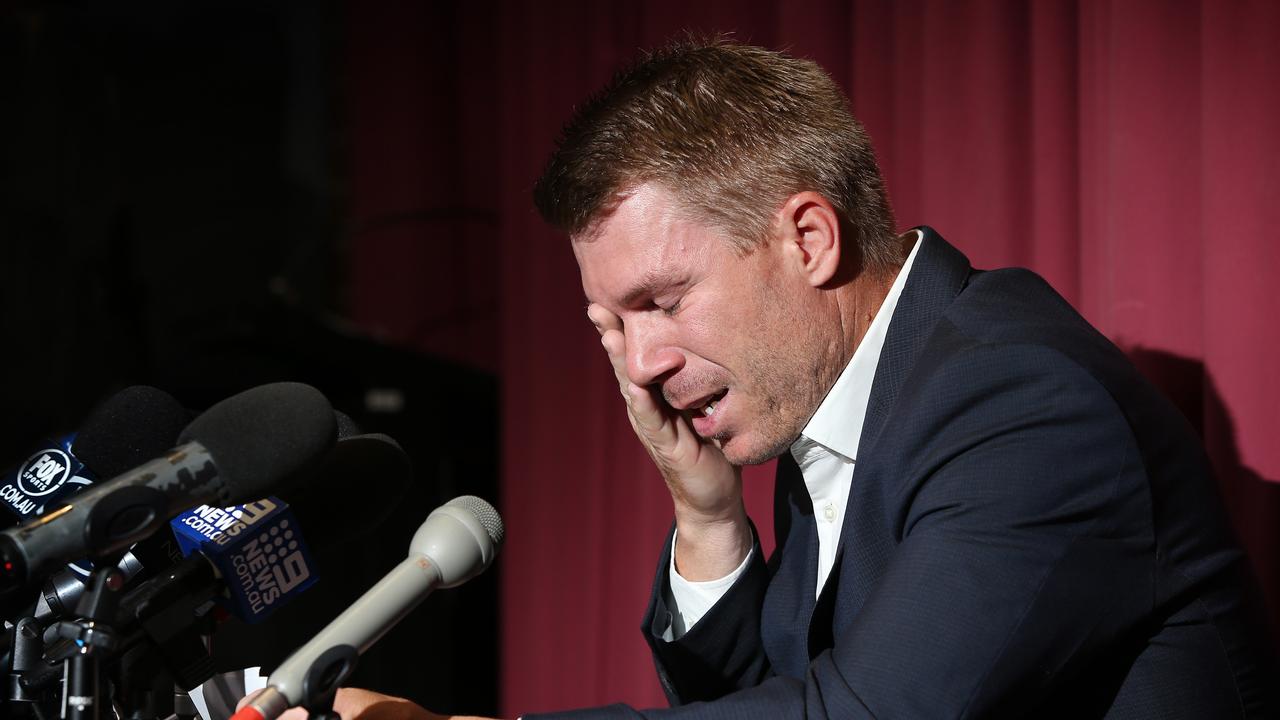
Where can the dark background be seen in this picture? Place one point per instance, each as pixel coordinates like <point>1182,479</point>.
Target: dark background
<point>175,210</point>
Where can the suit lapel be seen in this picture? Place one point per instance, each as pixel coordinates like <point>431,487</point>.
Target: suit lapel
<point>789,600</point>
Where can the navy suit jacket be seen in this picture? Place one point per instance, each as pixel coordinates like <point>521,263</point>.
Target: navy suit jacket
<point>1032,530</point>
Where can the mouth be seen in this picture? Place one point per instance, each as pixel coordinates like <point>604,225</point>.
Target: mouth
<point>707,406</point>
<point>706,412</point>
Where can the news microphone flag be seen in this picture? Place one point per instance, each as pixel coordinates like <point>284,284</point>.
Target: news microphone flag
<point>48,475</point>
<point>257,548</point>
<point>129,428</point>
<point>237,449</point>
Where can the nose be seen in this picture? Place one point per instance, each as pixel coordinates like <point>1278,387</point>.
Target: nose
<point>650,355</point>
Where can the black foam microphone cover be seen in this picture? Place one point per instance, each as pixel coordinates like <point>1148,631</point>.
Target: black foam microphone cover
<point>352,491</point>
<point>346,426</point>
<point>134,425</point>
<point>263,435</point>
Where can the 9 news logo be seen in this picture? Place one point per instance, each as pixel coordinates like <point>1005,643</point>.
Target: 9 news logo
<point>278,549</point>
<point>258,549</point>
<point>270,567</point>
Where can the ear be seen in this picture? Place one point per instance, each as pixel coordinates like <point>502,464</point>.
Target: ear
<point>809,230</point>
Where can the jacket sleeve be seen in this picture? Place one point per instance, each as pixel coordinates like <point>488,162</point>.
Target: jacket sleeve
<point>723,651</point>
<point>1023,549</point>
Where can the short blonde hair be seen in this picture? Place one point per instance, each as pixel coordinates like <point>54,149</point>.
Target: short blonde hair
<point>731,131</point>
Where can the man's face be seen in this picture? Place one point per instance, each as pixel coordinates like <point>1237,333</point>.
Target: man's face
<point>735,343</point>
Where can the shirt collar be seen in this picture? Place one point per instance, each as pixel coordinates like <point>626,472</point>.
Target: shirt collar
<point>837,423</point>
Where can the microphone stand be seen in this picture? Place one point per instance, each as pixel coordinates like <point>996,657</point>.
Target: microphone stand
<point>165,649</point>
<point>154,637</point>
<point>27,647</point>
<point>93,638</point>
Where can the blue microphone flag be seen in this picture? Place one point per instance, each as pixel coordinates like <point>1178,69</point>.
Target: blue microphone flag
<point>258,549</point>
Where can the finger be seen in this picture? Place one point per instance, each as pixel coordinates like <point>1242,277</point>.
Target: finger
<point>249,698</point>
<point>615,345</point>
<point>658,426</point>
<point>290,714</point>
<point>650,415</point>
<point>359,704</point>
<point>612,338</point>
<point>603,319</point>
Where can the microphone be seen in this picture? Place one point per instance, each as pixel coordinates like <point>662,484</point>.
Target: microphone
<point>457,542</point>
<point>372,462</point>
<point>253,558</point>
<point>131,427</point>
<point>257,550</point>
<point>134,425</point>
<point>314,501</point>
<point>374,456</point>
<point>235,451</point>
<point>250,559</point>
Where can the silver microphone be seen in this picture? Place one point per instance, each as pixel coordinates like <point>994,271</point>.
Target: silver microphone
<point>456,543</point>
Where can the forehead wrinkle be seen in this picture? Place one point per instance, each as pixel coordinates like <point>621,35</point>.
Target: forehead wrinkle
<point>653,280</point>
<point>631,292</point>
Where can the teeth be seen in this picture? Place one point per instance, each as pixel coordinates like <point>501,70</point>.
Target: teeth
<point>710,409</point>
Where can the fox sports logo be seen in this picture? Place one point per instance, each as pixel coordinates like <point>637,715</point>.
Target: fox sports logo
<point>44,472</point>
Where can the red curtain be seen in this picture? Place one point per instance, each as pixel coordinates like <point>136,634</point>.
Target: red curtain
<point>1125,150</point>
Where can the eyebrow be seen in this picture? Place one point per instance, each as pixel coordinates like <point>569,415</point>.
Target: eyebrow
<point>647,285</point>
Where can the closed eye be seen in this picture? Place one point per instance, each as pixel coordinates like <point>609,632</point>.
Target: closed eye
<point>669,309</point>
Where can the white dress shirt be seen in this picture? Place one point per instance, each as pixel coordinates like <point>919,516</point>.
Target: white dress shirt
<point>826,452</point>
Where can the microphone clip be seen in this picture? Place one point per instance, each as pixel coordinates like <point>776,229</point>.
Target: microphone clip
<point>321,682</point>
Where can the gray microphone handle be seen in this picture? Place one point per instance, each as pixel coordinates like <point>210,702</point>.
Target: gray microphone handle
<point>110,516</point>
<point>362,624</point>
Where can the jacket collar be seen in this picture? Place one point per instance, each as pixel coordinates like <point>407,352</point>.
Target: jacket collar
<point>938,275</point>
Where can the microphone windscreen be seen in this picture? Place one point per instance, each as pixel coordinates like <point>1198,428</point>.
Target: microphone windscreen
<point>262,436</point>
<point>131,427</point>
<point>346,426</point>
<point>127,429</point>
<point>374,465</point>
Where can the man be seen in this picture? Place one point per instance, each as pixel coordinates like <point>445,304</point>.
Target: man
<point>981,509</point>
